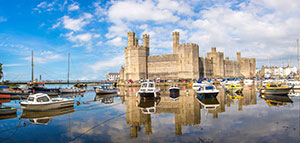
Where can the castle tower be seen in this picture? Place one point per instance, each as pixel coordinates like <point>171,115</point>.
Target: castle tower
<point>218,62</point>
<point>238,56</point>
<point>135,59</point>
<point>176,42</point>
<point>189,61</point>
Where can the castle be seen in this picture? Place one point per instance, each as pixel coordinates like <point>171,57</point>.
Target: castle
<point>184,63</point>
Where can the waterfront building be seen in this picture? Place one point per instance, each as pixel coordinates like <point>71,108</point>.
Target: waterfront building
<point>184,63</point>
<point>112,76</point>
<point>269,71</point>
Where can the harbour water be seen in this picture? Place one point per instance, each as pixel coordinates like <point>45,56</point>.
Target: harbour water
<point>125,118</point>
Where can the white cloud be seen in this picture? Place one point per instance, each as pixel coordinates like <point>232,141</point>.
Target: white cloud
<point>76,24</point>
<point>45,57</point>
<point>73,6</point>
<point>118,41</point>
<point>45,6</point>
<point>111,63</point>
<point>56,25</point>
<point>2,19</point>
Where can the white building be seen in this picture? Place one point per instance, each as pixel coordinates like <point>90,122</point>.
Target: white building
<point>112,76</point>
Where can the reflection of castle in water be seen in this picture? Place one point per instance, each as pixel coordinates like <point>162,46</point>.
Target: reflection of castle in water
<point>186,109</point>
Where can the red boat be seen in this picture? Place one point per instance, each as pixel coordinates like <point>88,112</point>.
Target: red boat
<point>4,96</point>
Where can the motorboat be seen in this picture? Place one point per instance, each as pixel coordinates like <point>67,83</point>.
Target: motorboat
<point>44,117</point>
<point>275,100</point>
<point>197,85</point>
<point>227,83</point>
<point>208,102</point>
<point>236,88</point>
<point>41,101</point>
<point>277,89</point>
<point>207,89</point>
<point>148,106</point>
<point>147,89</point>
<point>235,96</point>
<point>295,84</point>
<point>174,88</point>
<point>7,110</point>
<point>71,90</point>
<point>105,89</point>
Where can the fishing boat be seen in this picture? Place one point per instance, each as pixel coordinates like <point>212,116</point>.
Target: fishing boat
<point>105,89</point>
<point>41,101</point>
<point>236,88</point>
<point>207,89</point>
<point>277,89</point>
<point>7,110</point>
<point>147,89</point>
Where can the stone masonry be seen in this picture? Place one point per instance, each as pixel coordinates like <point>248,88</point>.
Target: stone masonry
<point>184,63</point>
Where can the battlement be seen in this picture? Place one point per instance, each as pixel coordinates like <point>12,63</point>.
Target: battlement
<point>188,45</point>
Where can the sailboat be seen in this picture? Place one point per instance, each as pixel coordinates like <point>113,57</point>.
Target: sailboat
<point>70,89</point>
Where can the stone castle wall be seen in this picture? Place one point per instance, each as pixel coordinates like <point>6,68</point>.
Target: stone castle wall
<point>184,63</point>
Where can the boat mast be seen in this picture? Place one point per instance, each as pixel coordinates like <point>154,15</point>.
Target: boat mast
<point>298,55</point>
<point>68,68</point>
<point>32,66</point>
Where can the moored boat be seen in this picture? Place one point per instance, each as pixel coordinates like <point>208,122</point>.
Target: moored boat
<point>207,89</point>
<point>147,89</point>
<point>41,101</point>
<point>174,88</point>
<point>277,89</point>
<point>105,89</point>
<point>236,88</point>
<point>7,110</point>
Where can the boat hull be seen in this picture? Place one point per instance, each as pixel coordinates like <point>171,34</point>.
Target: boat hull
<point>277,91</point>
<point>48,106</point>
<point>102,92</point>
<point>7,111</point>
<point>147,95</point>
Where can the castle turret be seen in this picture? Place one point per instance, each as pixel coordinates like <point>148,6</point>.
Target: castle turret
<point>146,40</point>
<point>135,59</point>
<point>238,56</point>
<point>131,38</point>
<point>176,42</point>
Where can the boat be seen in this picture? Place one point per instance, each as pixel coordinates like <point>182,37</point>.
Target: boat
<point>197,85</point>
<point>147,89</point>
<point>227,83</point>
<point>5,96</point>
<point>39,87</point>
<point>207,89</point>
<point>236,88</point>
<point>71,90</point>
<point>235,96</point>
<point>41,101</point>
<point>44,117</point>
<point>295,84</point>
<point>148,106</point>
<point>275,100</point>
<point>105,89</point>
<point>277,89</point>
<point>14,91</point>
<point>174,88</point>
<point>208,102</point>
<point>106,99</point>
<point>7,110</point>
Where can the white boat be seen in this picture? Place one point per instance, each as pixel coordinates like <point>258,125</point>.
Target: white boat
<point>71,90</point>
<point>197,85</point>
<point>148,89</point>
<point>207,89</point>
<point>227,83</point>
<point>41,101</point>
<point>294,84</point>
<point>105,89</point>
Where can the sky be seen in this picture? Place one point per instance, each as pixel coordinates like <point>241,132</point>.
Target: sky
<point>95,32</point>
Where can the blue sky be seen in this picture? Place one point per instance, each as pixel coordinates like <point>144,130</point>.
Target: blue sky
<point>94,32</point>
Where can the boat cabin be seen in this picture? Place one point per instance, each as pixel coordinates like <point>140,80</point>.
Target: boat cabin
<point>38,98</point>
